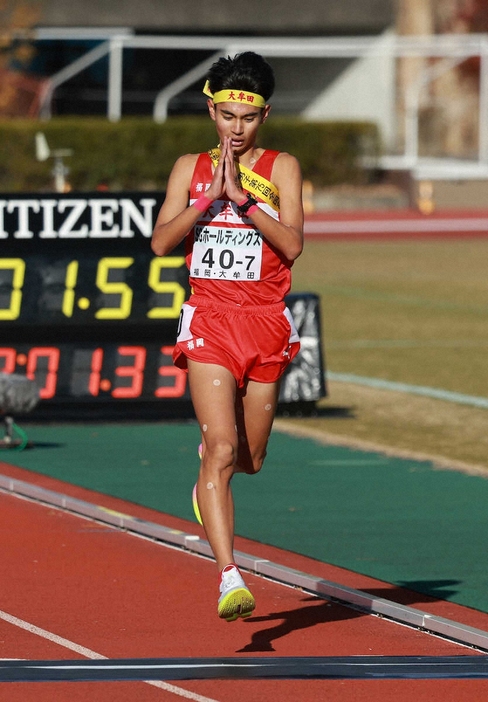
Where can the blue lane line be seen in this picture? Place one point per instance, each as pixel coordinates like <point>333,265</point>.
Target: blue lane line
<point>380,384</point>
<point>298,668</point>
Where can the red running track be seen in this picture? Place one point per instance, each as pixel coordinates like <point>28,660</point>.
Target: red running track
<point>395,224</point>
<point>76,589</point>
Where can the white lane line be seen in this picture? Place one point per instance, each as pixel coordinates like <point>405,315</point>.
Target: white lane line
<point>32,629</point>
<point>434,393</point>
<point>93,655</point>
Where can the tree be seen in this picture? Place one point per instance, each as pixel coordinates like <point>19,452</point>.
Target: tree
<point>414,17</point>
<point>18,92</point>
<point>448,116</point>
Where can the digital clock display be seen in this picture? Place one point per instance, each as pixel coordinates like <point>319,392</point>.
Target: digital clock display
<point>89,289</point>
<point>88,373</point>
<point>90,314</point>
<point>98,269</point>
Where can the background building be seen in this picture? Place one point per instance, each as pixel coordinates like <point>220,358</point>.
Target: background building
<point>148,71</point>
<point>310,17</point>
<point>426,104</point>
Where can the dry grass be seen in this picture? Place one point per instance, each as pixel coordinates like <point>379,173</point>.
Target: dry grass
<point>414,312</point>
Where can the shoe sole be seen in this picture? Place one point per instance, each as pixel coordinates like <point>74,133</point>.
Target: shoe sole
<point>236,603</point>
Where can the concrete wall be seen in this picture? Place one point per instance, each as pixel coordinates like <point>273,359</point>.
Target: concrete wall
<point>220,16</point>
<point>364,91</point>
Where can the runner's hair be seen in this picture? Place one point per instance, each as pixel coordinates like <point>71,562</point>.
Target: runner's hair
<point>247,71</point>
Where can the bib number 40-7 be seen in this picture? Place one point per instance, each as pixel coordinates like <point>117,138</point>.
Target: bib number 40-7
<point>226,254</point>
<point>226,264</point>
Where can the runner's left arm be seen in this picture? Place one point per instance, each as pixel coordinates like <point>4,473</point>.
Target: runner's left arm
<point>286,235</point>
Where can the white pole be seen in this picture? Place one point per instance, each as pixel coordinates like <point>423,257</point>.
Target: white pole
<point>483,108</point>
<point>114,106</point>
<point>412,105</point>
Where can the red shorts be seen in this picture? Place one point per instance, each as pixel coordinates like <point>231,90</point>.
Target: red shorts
<point>254,343</point>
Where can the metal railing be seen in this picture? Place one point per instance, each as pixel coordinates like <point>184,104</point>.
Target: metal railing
<point>449,50</point>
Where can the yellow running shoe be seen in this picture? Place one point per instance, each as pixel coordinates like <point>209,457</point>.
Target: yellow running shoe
<point>194,499</point>
<point>196,508</point>
<point>235,599</point>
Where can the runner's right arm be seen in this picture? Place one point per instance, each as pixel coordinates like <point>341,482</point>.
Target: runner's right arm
<point>176,217</point>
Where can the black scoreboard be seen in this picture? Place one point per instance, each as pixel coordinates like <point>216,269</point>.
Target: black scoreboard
<point>90,314</point>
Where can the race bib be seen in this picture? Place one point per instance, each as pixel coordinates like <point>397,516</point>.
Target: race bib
<point>226,253</point>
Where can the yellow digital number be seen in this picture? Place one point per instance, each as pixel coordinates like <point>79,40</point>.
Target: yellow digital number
<point>69,293</point>
<point>114,288</point>
<point>16,265</point>
<point>171,288</point>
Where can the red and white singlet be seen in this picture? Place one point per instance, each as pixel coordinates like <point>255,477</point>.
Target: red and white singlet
<point>225,247</point>
<point>236,316</point>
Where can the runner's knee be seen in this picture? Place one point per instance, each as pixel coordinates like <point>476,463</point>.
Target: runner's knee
<point>220,457</point>
<point>258,460</point>
<point>254,463</point>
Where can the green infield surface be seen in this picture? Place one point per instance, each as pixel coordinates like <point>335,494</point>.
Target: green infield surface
<point>411,312</point>
<point>399,520</point>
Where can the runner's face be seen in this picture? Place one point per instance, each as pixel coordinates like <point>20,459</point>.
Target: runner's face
<point>239,122</point>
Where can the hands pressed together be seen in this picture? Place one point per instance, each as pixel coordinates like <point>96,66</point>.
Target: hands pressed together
<point>226,178</point>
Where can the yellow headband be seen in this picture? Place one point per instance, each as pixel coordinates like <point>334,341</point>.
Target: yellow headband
<point>240,96</point>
